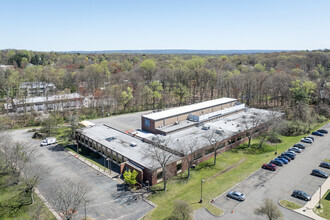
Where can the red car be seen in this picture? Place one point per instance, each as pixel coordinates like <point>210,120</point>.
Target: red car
<point>269,166</point>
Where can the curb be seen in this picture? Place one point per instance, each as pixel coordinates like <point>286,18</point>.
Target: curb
<point>57,216</point>
<point>292,210</point>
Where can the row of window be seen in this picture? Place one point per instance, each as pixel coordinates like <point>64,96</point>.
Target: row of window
<point>115,157</point>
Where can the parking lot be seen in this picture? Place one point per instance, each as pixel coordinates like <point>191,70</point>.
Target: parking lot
<point>278,185</point>
<point>107,200</point>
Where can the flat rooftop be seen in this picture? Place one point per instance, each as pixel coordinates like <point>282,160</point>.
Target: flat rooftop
<point>231,125</point>
<point>52,98</point>
<point>187,108</point>
<point>120,143</point>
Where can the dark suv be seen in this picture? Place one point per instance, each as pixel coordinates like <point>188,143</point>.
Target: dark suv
<point>323,131</point>
<point>325,165</point>
<point>319,173</point>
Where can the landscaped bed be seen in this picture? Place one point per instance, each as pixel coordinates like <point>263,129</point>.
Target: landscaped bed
<point>324,211</point>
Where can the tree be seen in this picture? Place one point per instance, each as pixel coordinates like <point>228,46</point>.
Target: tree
<point>214,138</point>
<point>49,125</point>
<point>66,195</point>
<point>302,91</point>
<point>148,68</point>
<point>126,97</point>
<point>130,177</point>
<point>270,209</point>
<point>273,120</point>
<point>73,118</point>
<point>156,152</point>
<point>188,150</point>
<point>181,91</point>
<point>251,123</point>
<point>181,211</point>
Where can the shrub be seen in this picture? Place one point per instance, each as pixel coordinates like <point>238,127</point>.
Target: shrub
<point>130,177</point>
<point>181,211</point>
<point>273,137</point>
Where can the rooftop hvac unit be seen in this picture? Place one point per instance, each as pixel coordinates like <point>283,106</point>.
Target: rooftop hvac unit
<point>133,144</point>
<point>176,122</point>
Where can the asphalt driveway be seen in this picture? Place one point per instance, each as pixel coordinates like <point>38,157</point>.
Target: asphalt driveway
<point>107,200</point>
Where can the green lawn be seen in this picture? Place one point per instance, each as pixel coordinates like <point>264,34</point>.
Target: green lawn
<point>290,205</point>
<point>324,211</point>
<point>232,167</point>
<point>15,203</point>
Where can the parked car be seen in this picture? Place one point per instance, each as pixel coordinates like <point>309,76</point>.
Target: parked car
<point>325,165</point>
<point>319,173</point>
<point>269,166</point>
<point>307,140</point>
<point>290,152</point>
<point>300,146</point>
<point>282,159</point>
<point>301,195</point>
<point>317,133</point>
<point>287,154</point>
<point>310,137</point>
<point>285,157</point>
<point>277,163</point>
<point>236,195</point>
<point>295,149</point>
<point>323,131</point>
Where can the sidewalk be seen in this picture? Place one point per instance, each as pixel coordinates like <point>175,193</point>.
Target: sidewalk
<point>307,210</point>
<point>113,176</point>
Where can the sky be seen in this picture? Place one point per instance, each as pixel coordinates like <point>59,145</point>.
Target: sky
<point>89,25</point>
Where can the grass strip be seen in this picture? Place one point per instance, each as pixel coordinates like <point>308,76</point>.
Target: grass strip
<point>290,205</point>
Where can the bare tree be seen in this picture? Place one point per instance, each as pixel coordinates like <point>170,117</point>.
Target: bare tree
<point>188,150</point>
<point>273,121</point>
<point>214,138</point>
<point>67,195</point>
<point>251,123</point>
<point>270,209</point>
<point>33,174</point>
<point>156,152</point>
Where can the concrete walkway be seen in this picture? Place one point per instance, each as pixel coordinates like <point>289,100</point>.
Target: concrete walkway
<point>307,210</point>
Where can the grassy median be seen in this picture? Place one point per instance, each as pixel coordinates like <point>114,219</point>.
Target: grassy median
<point>324,211</point>
<point>290,205</point>
<point>231,167</point>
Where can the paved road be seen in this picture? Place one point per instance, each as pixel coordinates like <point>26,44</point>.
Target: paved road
<point>277,185</point>
<point>107,200</point>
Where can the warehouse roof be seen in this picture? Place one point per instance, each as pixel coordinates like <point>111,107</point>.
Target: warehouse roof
<point>122,144</point>
<point>230,126</point>
<point>187,108</point>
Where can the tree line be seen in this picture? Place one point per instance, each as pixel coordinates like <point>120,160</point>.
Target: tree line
<point>296,82</point>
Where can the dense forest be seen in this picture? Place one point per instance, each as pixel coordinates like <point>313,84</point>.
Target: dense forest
<point>295,82</point>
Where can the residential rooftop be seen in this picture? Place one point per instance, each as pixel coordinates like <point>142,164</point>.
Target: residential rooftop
<point>42,99</point>
<point>188,108</point>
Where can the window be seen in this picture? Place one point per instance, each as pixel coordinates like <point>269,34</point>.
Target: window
<point>159,175</point>
<point>198,154</point>
<point>179,166</point>
<point>147,122</point>
<point>209,151</point>
<point>231,141</point>
<point>221,146</point>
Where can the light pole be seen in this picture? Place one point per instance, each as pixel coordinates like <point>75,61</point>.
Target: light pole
<point>201,201</point>
<point>276,150</point>
<point>85,209</point>
<point>320,197</point>
<point>109,164</point>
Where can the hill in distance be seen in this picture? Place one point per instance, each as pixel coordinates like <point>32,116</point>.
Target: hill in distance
<point>199,52</point>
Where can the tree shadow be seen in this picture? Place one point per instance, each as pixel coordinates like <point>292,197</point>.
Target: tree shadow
<point>327,197</point>
<point>56,148</point>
